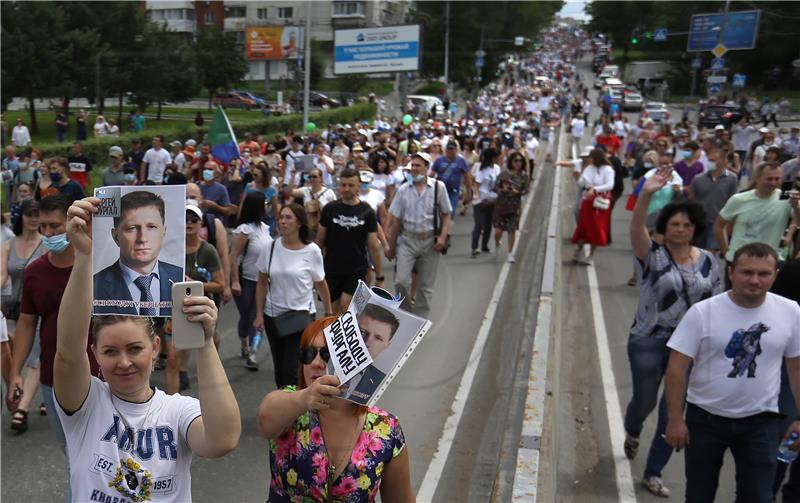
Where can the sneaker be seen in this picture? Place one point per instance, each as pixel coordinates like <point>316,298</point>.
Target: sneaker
<point>586,260</point>
<point>656,486</point>
<point>631,446</point>
<point>184,378</point>
<point>251,363</point>
<point>577,255</point>
<point>245,352</point>
<point>511,259</point>
<point>475,253</point>
<point>493,252</point>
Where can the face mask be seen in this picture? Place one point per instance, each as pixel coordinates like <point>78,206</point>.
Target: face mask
<point>129,177</point>
<point>55,177</point>
<point>246,155</point>
<point>648,165</point>
<point>57,243</point>
<point>208,174</point>
<point>686,154</point>
<point>419,178</point>
<point>193,202</point>
<point>712,165</point>
<point>409,178</point>
<point>364,186</point>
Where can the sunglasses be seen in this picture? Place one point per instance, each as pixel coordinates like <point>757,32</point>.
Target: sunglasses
<point>193,219</point>
<point>309,353</point>
<point>312,176</point>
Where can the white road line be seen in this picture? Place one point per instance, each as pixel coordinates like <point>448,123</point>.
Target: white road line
<point>613,407</point>
<point>437,464</point>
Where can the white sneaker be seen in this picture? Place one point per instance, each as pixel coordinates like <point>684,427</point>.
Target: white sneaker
<point>511,259</point>
<point>587,260</point>
<point>577,255</point>
<point>656,486</point>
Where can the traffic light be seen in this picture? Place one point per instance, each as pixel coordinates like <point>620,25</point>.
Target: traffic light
<point>634,40</point>
<point>635,33</point>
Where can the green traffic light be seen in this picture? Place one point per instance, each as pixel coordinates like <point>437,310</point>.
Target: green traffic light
<point>634,40</point>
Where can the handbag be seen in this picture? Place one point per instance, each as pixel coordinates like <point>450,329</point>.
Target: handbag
<point>601,203</point>
<point>290,322</point>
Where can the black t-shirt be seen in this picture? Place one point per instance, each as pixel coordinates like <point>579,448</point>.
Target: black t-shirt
<point>346,231</point>
<point>81,162</point>
<point>787,284</point>
<point>71,190</point>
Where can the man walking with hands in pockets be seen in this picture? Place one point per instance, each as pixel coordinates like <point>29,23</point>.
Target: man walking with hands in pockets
<point>735,343</point>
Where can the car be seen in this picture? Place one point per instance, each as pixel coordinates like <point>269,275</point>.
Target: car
<point>234,100</point>
<point>260,102</point>
<point>713,115</point>
<point>315,99</point>
<point>656,111</point>
<point>616,94</point>
<point>632,101</point>
<point>423,104</point>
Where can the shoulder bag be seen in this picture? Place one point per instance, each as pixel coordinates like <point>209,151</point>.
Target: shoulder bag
<point>290,322</point>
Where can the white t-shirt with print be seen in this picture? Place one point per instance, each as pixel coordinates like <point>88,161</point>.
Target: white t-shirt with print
<point>737,353</point>
<point>373,198</point>
<point>258,239</point>
<point>487,177</point>
<point>101,453</point>
<point>324,197</point>
<point>292,276</point>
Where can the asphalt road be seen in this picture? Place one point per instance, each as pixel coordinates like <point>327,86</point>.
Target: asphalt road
<point>481,464</point>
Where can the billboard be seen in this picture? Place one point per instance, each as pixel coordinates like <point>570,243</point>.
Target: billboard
<point>377,50</point>
<point>273,42</point>
<point>741,29</point>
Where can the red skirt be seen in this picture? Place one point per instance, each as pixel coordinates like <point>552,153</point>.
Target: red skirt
<point>593,225</point>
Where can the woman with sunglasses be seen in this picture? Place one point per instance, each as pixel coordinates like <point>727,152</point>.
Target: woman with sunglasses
<point>323,447</point>
<point>314,190</point>
<point>290,268</point>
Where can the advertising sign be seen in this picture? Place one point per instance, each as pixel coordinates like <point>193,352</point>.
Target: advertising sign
<point>273,42</point>
<point>740,27</point>
<point>375,50</point>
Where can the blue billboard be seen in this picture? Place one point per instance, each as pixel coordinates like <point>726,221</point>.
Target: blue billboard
<point>741,29</point>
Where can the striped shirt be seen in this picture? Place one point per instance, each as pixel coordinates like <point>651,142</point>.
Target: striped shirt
<point>415,210</point>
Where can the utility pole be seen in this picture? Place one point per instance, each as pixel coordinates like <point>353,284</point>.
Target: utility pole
<point>307,72</point>
<point>446,43</point>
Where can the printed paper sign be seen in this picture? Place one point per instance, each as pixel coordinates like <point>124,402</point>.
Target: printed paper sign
<point>139,249</point>
<point>349,353</point>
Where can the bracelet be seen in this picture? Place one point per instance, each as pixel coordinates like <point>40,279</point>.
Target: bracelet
<point>379,278</point>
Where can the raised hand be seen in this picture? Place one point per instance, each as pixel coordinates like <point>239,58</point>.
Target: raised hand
<point>79,224</point>
<point>657,180</point>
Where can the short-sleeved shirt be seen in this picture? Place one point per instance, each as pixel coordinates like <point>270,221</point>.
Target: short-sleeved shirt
<point>347,228</point>
<point>758,219</point>
<point>299,462</point>
<point>689,171</point>
<point>43,285</point>
<point>415,210</point>
<point>712,193</point>
<point>292,275</point>
<point>737,353</point>
<point>206,257</point>
<point>104,461</point>
<point>668,289</point>
<point>157,161</point>
<point>217,193</point>
<point>258,239</point>
<point>72,190</point>
<point>451,172</point>
<point>110,177</point>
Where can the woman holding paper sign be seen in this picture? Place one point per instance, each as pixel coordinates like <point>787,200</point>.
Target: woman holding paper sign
<point>106,459</point>
<point>323,448</point>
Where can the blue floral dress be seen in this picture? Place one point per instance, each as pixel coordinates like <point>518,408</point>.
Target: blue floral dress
<point>299,461</point>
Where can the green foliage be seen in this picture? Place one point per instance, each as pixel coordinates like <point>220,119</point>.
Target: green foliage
<point>219,60</point>
<point>500,22</point>
<point>97,148</point>
<point>432,88</point>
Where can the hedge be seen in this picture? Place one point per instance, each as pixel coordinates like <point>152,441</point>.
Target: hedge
<point>97,148</point>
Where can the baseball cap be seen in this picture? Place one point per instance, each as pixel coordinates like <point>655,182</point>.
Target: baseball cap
<point>763,130</point>
<point>451,144</point>
<point>366,176</point>
<point>719,127</point>
<point>191,143</point>
<point>425,157</point>
<point>194,209</point>
<point>175,143</point>
<point>115,151</point>
<point>357,147</point>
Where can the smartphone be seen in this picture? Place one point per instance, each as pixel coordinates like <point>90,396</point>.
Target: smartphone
<point>186,334</point>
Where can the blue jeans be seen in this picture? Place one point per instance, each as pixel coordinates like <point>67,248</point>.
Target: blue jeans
<point>55,424</point>
<point>246,305</point>
<point>786,406</point>
<point>454,197</point>
<point>753,441</point>
<point>648,357</point>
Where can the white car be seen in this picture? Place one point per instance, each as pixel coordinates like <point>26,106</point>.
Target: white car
<point>656,111</point>
<point>423,105</point>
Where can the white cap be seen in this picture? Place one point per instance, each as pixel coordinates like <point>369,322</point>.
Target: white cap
<point>191,143</point>
<point>719,127</point>
<point>763,130</point>
<point>366,176</point>
<point>115,151</point>
<point>175,143</point>
<point>422,155</point>
<point>194,209</point>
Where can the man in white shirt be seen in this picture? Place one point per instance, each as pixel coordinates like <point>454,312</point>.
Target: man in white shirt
<point>20,136</point>
<point>734,343</point>
<point>577,127</point>
<point>154,162</point>
<point>742,131</point>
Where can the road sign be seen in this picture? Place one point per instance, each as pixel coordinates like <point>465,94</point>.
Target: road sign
<point>660,35</point>
<point>719,50</point>
<point>480,53</point>
<point>718,64</point>
<point>518,41</point>
<point>714,88</point>
<point>740,28</point>
<point>697,63</point>
<point>717,79</point>
<point>739,80</point>
<point>480,62</point>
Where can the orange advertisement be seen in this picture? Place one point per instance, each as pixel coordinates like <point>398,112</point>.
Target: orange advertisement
<point>273,42</point>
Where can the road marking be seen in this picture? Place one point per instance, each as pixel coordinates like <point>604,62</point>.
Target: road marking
<point>445,444</point>
<point>613,407</point>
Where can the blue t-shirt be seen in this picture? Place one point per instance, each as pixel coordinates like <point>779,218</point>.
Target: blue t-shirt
<point>451,172</point>
<point>215,192</point>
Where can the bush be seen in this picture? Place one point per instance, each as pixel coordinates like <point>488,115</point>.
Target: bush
<point>97,148</point>
<point>432,88</point>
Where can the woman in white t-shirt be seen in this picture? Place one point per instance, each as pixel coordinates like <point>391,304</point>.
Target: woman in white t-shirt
<point>250,239</point>
<point>100,127</point>
<point>324,163</point>
<point>594,218</point>
<point>484,177</point>
<point>106,459</point>
<point>289,270</point>
<point>315,190</point>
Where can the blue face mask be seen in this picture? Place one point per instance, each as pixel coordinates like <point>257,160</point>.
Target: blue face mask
<point>419,178</point>
<point>57,243</point>
<point>648,165</point>
<point>686,154</point>
<point>364,186</point>
<point>208,174</point>
<point>129,177</point>
<point>409,178</point>
<point>712,165</point>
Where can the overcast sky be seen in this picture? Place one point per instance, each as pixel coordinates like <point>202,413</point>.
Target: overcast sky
<point>574,9</point>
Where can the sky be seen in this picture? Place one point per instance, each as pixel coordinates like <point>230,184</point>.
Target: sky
<point>574,9</point>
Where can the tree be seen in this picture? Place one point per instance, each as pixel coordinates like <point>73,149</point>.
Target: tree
<point>219,60</point>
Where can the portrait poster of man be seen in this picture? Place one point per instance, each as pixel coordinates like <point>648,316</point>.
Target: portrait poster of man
<point>139,249</point>
<point>391,335</point>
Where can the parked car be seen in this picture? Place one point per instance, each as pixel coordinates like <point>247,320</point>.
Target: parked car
<point>234,100</point>
<point>632,101</point>
<point>713,115</point>
<point>261,102</point>
<point>423,106</point>
<point>656,111</point>
<point>315,99</point>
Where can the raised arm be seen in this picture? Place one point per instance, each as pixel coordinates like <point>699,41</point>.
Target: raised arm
<point>640,237</point>
<point>71,372</point>
<point>279,409</point>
